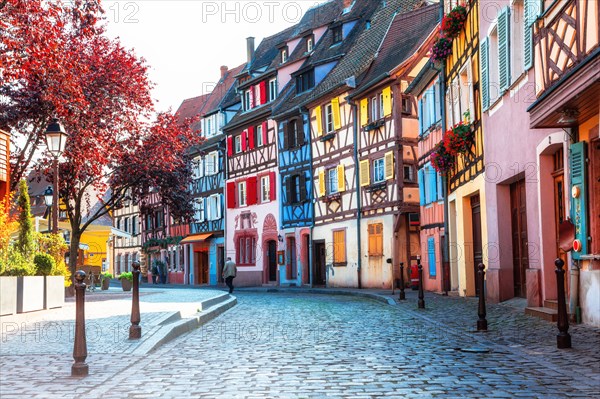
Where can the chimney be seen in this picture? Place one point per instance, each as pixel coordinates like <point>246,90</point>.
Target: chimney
<point>250,48</point>
<point>347,4</point>
<point>224,70</point>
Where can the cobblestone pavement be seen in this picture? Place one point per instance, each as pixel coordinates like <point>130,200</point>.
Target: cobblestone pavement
<point>283,345</point>
<point>107,321</point>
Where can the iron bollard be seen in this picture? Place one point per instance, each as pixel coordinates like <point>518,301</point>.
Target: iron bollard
<point>421,295</point>
<point>402,294</point>
<point>563,339</point>
<point>80,367</point>
<point>482,322</point>
<point>135,330</point>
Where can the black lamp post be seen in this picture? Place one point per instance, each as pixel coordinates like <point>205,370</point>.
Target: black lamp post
<point>49,199</point>
<point>56,139</point>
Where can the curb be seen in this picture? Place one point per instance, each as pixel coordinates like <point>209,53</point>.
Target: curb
<point>324,291</point>
<point>210,309</point>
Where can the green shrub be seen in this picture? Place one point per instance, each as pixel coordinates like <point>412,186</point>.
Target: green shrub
<point>17,265</point>
<point>126,275</point>
<point>44,264</point>
<point>106,275</point>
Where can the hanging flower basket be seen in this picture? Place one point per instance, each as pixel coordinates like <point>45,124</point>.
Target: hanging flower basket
<point>454,21</point>
<point>441,160</point>
<point>441,49</point>
<point>459,139</point>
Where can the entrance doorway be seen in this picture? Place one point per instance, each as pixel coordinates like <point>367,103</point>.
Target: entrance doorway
<point>559,206</point>
<point>319,277</point>
<point>306,258</point>
<point>272,259</point>
<point>201,267</point>
<point>477,246</point>
<point>220,264</point>
<point>519,237</point>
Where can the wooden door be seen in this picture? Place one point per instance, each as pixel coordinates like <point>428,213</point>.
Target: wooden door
<point>594,193</point>
<point>477,245</point>
<point>519,237</point>
<point>319,277</point>
<point>272,260</point>
<point>220,263</point>
<point>559,207</point>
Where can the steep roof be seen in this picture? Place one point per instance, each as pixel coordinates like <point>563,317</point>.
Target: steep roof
<point>407,32</point>
<point>192,107</point>
<point>267,50</point>
<point>221,90</point>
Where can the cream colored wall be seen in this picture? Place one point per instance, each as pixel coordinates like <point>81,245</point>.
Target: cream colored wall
<point>461,238</point>
<point>340,276</point>
<point>375,271</point>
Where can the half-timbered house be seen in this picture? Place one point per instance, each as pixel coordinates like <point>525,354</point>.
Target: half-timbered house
<point>202,252</point>
<point>337,255</point>
<point>252,221</point>
<point>387,121</point>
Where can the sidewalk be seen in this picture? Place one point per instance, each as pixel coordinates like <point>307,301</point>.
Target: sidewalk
<point>107,318</point>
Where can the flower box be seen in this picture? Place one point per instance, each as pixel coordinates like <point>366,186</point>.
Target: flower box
<point>375,125</point>
<point>54,292</point>
<point>30,293</point>
<point>454,21</point>
<point>8,295</point>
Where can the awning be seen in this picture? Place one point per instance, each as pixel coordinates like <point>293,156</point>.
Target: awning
<point>195,238</point>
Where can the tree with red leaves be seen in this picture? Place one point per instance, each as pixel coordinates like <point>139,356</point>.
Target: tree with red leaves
<point>56,61</point>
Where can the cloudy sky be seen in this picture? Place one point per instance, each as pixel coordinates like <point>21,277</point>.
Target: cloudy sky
<point>185,42</point>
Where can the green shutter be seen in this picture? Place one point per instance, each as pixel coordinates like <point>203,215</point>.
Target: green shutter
<point>504,49</point>
<point>485,78</point>
<point>431,256</point>
<point>420,174</point>
<point>532,10</point>
<point>579,214</point>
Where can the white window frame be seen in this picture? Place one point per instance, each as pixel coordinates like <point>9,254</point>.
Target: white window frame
<point>212,159</point>
<point>247,100</point>
<point>259,136</point>
<point>238,144</point>
<point>329,128</point>
<point>380,107</point>
<point>379,165</point>
<point>284,55</point>
<point>411,173</point>
<point>310,44</point>
<point>517,39</point>
<point>199,210</point>
<point>332,181</point>
<point>265,189</point>
<point>272,89</point>
<point>493,67</point>
<point>374,113</point>
<point>213,209</point>
<point>242,193</point>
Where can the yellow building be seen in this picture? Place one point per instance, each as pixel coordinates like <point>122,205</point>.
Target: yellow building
<point>465,181</point>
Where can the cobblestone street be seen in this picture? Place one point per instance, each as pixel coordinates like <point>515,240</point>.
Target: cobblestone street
<point>300,345</point>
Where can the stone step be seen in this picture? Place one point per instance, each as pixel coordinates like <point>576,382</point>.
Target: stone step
<point>551,304</point>
<point>542,313</point>
<point>213,301</point>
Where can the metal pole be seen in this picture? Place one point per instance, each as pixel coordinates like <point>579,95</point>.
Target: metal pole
<point>135,330</point>
<point>80,367</point>
<point>402,294</point>
<point>55,199</point>
<point>421,295</point>
<point>563,339</point>
<point>482,322</point>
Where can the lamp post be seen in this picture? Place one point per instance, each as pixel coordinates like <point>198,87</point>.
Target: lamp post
<point>49,199</point>
<point>56,139</point>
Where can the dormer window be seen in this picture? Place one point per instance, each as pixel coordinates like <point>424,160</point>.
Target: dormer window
<point>284,55</point>
<point>247,100</point>
<point>272,89</point>
<point>309,44</point>
<point>305,81</point>
<point>337,34</point>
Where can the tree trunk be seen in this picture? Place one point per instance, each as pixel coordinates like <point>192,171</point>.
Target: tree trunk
<point>74,250</point>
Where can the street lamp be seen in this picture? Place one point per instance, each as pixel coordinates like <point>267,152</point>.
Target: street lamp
<point>56,139</point>
<point>49,199</point>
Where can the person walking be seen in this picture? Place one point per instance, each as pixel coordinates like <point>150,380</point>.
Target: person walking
<point>229,272</point>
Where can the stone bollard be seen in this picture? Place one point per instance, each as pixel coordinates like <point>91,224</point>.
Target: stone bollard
<point>402,294</point>
<point>421,295</point>
<point>482,322</point>
<point>135,330</point>
<point>80,367</point>
<point>563,339</point>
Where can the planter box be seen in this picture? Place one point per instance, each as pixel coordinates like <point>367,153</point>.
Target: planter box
<point>126,284</point>
<point>54,292</point>
<point>30,293</point>
<point>8,295</point>
<point>105,284</point>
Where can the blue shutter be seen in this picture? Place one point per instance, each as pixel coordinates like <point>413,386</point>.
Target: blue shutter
<point>504,49</point>
<point>421,186</point>
<point>530,14</point>
<point>485,78</point>
<point>440,188</point>
<point>434,185</point>
<point>437,101</point>
<point>431,256</point>
<point>579,213</point>
<point>421,116</point>
<point>431,106</point>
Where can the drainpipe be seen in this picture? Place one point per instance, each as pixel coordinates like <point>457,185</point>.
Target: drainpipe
<point>311,261</point>
<point>358,199</point>
<point>574,309</point>
<point>225,173</point>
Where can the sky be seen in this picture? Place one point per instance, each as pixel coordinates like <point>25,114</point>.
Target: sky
<point>185,42</point>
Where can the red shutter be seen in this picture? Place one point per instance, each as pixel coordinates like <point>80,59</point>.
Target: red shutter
<point>229,146</point>
<point>263,92</point>
<point>252,99</point>
<point>231,195</point>
<point>251,190</point>
<point>244,136</point>
<point>272,185</point>
<point>264,133</point>
<point>251,137</point>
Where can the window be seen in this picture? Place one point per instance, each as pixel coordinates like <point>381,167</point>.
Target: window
<point>309,44</point>
<point>238,144</point>
<point>126,225</point>
<point>406,105</point>
<point>408,173</point>
<point>305,81</point>
<point>212,163</point>
<point>376,239</point>
<point>329,118</point>
<point>494,89</point>
<point>272,89</point>
<point>134,226</point>
<point>284,55</point>
<point>431,256</point>
<point>332,181</point>
<point>159,218</point>
<point>339,247</point>
<point>199,209</point>
<point>295,189</point>
<point>265,189</point>
<point>246,254</point>
<point>517,32</point>
<point>242,193</point>
<point>379,170</point>
<point>374,112</point>
<point>213,207</point>
<point>381,107</point>
<point>208,126</point>
<point>246,100</point>
<point>337,34</point>
<point>259,136</point>
<point>119,224</point>
<point>197,168</point>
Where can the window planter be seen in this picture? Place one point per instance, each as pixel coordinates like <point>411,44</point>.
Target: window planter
<point>332,197</point>
<point>30,293</point>
<point>375,125</point>
<point>54,292</point>
<point>377,186</point>
<point>328,136</point>
<point>8,299</point>
<point>454,21</point>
